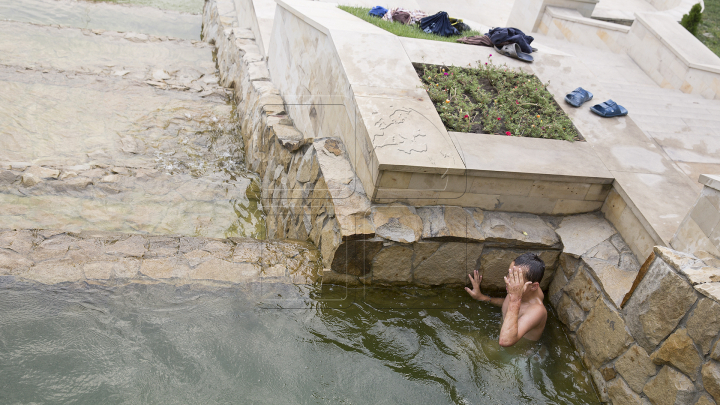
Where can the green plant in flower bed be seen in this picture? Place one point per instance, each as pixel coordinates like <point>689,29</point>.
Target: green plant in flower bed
<point>495,99</point>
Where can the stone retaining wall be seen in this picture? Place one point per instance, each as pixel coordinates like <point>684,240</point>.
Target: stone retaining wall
<point>659,342</point>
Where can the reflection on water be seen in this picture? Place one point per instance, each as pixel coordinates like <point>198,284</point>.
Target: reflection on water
<point>92,15</point>
<point>163,344</point>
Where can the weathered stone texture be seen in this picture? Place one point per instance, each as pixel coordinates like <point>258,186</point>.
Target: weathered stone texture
<point>705,399</point>
<point>555,291</point>
<point>657,305</point>
<point>635,367</point>
<point>614,281</point>
<point>450,264</point>
<point>451,223</point>
<point>522,230</point>
<point>679,351</point>
<point>620,393</point>
<point>580,233</point>
<point>355,257</point>
<point>670,387</point>
<point>711,379</point>
<point>398,223</point>
<point>393,265</point>
<point>603,334</point>
<point>582,290</point>
<point>570,313</point>
<point>704,323</point>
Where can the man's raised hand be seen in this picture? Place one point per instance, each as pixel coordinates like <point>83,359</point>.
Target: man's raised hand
<point>475,280</point>
<point>515,282</point>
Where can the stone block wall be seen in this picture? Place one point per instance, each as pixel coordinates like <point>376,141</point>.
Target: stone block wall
<point>699,233</point>
<point>651,337</point>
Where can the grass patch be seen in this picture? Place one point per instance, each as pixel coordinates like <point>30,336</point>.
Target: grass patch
<point>710,24</point>
<point>496,100</point>
<point>400,29</point>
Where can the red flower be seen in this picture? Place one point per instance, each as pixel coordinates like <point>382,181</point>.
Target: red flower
<point>508,133</point>
<point>498,118</point>
<point>466,116</point>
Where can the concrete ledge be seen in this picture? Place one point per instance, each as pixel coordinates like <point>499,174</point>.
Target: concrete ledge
<point>575,16</point>
<point>673,57</point>
<point>681,42</point>
<point>530,158</point>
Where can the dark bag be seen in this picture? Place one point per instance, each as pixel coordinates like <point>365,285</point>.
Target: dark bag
<point>438,24</point>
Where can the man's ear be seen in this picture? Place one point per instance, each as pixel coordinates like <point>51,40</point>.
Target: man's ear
<point>534,286</point>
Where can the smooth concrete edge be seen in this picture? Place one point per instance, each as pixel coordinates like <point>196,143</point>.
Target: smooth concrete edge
<point>691,42</point>
<point>710,180</point>
<point>574,16</point>
<point>640,217</point>
<point>525,148</point>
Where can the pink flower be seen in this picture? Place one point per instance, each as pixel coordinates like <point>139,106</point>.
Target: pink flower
<point>490,55</point>
<point>486,63</point>
<point>446,73</point>
<point>498,118</point>
<point>466,116</point>
<point>508,133</point>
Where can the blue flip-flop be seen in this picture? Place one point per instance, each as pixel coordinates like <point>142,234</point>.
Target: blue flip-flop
<point>609,109</point>
<point>578,96</point>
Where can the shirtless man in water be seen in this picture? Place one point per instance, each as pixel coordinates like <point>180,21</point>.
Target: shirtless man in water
<point>524,314</point>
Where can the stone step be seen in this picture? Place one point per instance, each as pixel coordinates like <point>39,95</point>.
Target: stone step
<point>121,199</point>
<point>108,53</point>
<point>51,256</point>
<point>104,16</point>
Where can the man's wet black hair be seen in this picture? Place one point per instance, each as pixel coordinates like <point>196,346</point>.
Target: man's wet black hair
<point>535,267</point>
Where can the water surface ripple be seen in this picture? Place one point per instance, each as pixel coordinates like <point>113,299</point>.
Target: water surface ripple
<point>296,345</point>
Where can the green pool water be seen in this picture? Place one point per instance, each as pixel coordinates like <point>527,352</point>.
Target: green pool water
<point>160,344</point>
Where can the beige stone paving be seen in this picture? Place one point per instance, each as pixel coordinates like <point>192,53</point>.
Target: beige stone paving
<point>118,132</point>
<point>50,257</point>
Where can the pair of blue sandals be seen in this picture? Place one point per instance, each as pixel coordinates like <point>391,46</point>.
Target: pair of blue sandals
<point>607,109</point>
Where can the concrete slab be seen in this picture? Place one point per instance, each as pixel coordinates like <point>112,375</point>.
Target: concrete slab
<point>549,159</point>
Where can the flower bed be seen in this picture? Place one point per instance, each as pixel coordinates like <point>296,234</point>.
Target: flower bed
<point>496,100</point>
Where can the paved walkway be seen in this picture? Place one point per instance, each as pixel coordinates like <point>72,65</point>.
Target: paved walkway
<point>684,126</point>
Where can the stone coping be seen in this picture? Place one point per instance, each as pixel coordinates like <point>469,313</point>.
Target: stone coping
<point>530,158</point>
<point>575,16</point>
<point>710,180</point>
<point>683,44</point>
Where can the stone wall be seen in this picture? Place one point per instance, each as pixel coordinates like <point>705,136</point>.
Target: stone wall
<point>645,338</point>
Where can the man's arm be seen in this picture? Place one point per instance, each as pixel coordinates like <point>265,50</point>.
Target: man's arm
<point>477,294</point>
<point>513,327</point>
